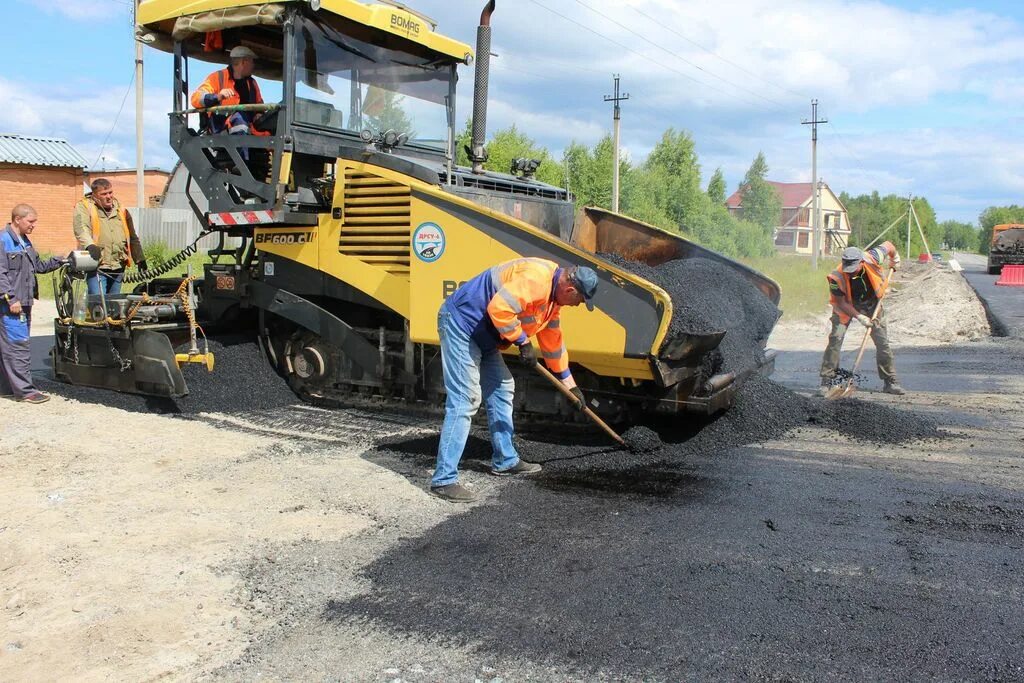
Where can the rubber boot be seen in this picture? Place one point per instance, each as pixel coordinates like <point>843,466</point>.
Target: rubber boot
<point>894,388</point>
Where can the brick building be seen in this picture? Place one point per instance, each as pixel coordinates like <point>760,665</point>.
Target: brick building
<point>124,183</point>
<point>48,174</point>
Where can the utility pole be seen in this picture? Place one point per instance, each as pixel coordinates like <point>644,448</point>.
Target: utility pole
<point>815,238</point>
<point>616,98</point>
<point>910,214</point>
<point>140,173</point>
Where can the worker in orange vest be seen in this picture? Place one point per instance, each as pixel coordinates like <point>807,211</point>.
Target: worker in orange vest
<point>104,229</point>
<point>232,85</point>
<point>854,290</point>
<point>503,306</point>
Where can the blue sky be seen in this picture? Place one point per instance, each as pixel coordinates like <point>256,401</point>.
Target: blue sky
<point>922,97</point>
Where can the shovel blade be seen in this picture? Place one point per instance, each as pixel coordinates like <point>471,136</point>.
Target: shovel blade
<point>840,391</point>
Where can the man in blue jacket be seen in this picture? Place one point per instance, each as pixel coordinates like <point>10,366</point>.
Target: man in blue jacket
<point>19,263</point>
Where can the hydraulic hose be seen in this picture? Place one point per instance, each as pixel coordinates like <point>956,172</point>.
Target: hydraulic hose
<point>140,276</point>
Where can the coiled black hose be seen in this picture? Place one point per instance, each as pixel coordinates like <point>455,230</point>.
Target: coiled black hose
<point>140,276</point>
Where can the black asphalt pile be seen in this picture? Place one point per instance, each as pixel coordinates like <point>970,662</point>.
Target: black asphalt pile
<point>710,297</point>
<point>763,411</point>
<point>843,376</point>
<point>640,439</point>
<point>242,380</point>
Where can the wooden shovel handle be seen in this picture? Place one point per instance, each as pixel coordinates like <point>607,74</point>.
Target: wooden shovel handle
<point>544,372</point>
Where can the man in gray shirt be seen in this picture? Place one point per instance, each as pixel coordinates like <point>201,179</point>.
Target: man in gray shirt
<point>19,263</point>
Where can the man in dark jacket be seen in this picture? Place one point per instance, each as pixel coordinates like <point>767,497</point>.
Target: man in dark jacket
<point>19,263</point>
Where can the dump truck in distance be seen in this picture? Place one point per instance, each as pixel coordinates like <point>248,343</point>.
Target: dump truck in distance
<point>353,231</point>
<point>1006,247</point>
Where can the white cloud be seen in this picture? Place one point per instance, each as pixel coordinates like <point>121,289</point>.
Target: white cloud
<point>86,117</point>
<point>85,10</point>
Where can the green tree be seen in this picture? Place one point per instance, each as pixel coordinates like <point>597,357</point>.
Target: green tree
<point>716,187</point>
<point>508,144</point>
<point>959,236</point>
<point>590,172</point>
<point>873,216</point>
<point>761,202</point>
<point>383,111</point>
<point>996,215</point>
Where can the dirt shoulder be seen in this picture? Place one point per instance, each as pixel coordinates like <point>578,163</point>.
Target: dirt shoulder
<point>122,534</point>
<point>929,305</point>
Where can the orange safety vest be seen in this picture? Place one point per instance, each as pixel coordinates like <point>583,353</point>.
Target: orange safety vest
<point>216,82</point>
<point>94,217</point>
<point>873,273</point>
<point>524,305</point>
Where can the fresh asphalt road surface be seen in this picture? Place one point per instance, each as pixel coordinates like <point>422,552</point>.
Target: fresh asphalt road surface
<point>814,557</point>
<point>1005,304</point>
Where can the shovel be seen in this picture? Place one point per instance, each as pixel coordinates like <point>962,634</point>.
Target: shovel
<point>586,411</point>
<point>846,388</point>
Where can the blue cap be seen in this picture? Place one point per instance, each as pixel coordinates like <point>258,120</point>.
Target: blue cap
<point>584,279</point>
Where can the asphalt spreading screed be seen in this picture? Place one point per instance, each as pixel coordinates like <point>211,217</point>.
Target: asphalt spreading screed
<point>242,380</point>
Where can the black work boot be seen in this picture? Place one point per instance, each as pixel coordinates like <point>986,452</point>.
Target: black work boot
<point>894,388</point>
<point>454,493</point>
<point>521,467</point>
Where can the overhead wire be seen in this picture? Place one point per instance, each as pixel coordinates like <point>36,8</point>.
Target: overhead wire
<point>681,58</point>
<point>631,50</point>
<point>116,117</point>
<point>718,56</point>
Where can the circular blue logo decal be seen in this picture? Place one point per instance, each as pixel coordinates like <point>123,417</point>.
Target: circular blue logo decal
<point>428,242</point>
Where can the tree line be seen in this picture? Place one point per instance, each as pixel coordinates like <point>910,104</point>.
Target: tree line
<point>665,190</point>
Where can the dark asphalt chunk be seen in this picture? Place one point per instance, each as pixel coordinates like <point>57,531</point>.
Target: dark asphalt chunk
<point>242,380</point>
<point>640,439</point>
<point>709,297</point>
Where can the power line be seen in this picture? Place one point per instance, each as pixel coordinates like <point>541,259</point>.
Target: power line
<point>116,117</point>
<point>631,50</point>
<point>718,56</point>
<point>680,57</point>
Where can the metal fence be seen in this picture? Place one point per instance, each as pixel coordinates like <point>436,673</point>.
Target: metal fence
<point>175,228</point>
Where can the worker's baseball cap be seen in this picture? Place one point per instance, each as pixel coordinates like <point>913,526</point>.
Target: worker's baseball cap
<point>852,256</point>
<point>585,281</point>
<point>241,52</point>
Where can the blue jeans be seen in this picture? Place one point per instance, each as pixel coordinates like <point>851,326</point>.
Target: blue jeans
<point>110,280</point>
<point>469,375</point>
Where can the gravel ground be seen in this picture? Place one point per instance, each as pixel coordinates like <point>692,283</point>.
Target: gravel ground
<point>877,538</point>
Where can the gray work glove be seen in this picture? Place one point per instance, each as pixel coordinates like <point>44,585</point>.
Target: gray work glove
<point>527,354</point>
<point>865,321</point>
<point>582,403</point>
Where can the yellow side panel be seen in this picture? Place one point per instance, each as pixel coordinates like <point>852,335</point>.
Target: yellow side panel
<point>390,290</point>
<point>591,337</point>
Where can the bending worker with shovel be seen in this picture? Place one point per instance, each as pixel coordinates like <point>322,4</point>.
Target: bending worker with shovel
<point>855,289</point>
<point>502,306</point>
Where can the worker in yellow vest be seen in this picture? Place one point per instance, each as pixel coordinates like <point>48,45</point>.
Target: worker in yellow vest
<point>105,230</point>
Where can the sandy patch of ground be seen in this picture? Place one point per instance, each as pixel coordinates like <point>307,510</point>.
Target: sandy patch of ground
<point>121,533</point>
<point>930,305</point>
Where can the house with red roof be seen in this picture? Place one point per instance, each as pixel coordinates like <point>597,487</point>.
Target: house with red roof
<point>794,232</point>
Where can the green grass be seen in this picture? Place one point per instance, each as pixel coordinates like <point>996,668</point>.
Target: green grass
<point>804,290</point>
